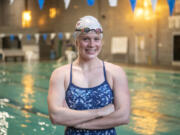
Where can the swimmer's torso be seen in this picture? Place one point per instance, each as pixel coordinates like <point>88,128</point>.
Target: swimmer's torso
<point>79,98</point>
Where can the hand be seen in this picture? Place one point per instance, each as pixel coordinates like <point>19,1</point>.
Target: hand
<point>106,110</point>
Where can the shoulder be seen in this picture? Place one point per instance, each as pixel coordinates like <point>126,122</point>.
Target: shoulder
<point>60,72</point>
<point>119,78</point>
<point>116,71</point>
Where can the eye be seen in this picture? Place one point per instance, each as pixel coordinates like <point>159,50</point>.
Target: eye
<point>85,39</point>
<point>96,38</point>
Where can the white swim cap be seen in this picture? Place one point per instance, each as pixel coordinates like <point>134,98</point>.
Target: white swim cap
<point>88,23</point>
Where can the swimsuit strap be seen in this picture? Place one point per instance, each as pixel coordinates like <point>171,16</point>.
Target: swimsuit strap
<point>104,69</point>
<point>71,74</point>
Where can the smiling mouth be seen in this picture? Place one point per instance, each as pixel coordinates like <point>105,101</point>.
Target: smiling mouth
<point>90,51</point>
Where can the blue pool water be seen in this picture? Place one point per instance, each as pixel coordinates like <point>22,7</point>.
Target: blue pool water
<point>155,97</point>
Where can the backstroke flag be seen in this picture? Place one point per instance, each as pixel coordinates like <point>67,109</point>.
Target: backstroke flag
<point>66,2</point>
<point>113,3</point>
<point>171,4</point>
<point>36,35</point>
<point>90,2</point>
<point>11,37</point>
<point>2,35</point>
<point>28,37</point>
<point>20,36</point>
<point>44,36</point>
<point>133,4</point>
<point>52,36</point>
<point>153,2</point>
<point>41,3</point>
<point>60,35</point>
<point>67,35</point>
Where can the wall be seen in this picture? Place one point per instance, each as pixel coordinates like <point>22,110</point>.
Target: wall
<point>116,21</point>
<point>1,14</point>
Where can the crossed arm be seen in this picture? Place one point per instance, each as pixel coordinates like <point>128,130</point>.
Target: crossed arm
<point>102,118</point>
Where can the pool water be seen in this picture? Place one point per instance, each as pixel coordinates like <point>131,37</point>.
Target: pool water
<point>155,97</point>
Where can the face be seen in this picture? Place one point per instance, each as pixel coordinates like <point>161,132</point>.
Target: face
<point>89,45</point>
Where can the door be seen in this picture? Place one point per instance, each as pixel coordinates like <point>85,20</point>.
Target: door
<point>140,54</point>
<point>176,48</point>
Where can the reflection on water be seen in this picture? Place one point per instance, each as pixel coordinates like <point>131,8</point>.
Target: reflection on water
<point>140,79</point>
<point>28,94</point>
<point>155,102</point>
<point>145,122</point>
<point>3,117</point>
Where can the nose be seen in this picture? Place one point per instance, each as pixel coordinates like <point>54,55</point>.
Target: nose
<point>91,43</point>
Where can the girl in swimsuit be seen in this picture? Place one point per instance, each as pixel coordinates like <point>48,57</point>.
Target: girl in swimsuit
<point>89,96</point>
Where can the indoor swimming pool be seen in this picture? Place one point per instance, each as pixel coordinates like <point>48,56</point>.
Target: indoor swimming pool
<point>155,97</point>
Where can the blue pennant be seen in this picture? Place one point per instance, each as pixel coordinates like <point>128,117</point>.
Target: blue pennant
<point>44,36</point>
<point>12,37</point>
<point>90,2</point>
<point>171,4</point>
<point>154,4</point>
<point>60,35</point>
<point>41,3</point>
<point>28,37</point>
<point>133,4</point>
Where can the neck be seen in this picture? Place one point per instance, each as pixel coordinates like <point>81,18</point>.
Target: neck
<point>87,64</point>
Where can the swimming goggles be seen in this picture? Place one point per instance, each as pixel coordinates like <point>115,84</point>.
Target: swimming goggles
<point>86,30</point>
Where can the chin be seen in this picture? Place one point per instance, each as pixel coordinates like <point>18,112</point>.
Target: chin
<point>89,57</point>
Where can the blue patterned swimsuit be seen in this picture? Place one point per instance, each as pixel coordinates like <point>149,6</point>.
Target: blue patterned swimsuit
<point>89,98</point>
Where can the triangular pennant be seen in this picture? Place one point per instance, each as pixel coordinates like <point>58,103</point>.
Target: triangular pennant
<point>44,36</point>
<point>28,37</point>
<point>154,2</point>
<point>90,2</point>
<point>67,35</point>
<point>41,4</point>
<point>36,37</point>
<point>20,36</point>
<point>66,2</point>
<point>113,3</point>
<point>2,35</point>
<point>11,37</point>
<point>133,4</point>
<point>52,36</point>
<point>171,4</point>
<point>11,2</point>
<point>60,35</point>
